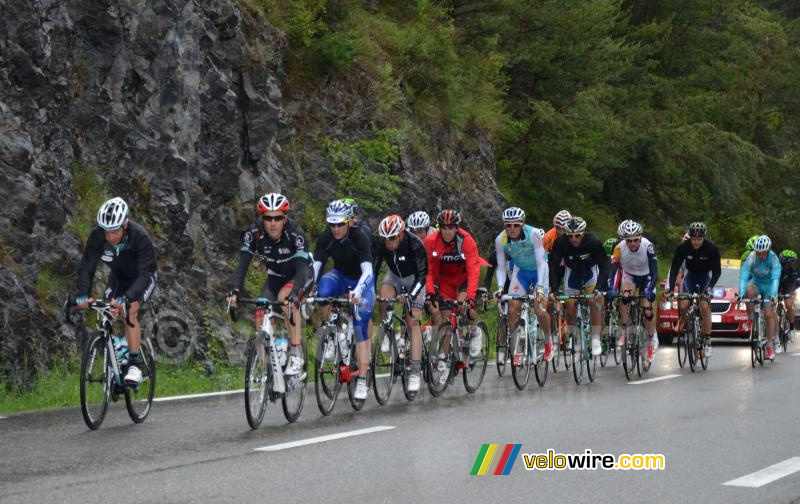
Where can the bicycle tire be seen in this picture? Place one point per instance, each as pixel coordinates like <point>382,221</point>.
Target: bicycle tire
<point>357,404</point>
<point>326,370</point>
<point>475,369</point>
<point>680,344</point>
<point>443,336</point>
<point>520,362</point>
<point>577,360</point>
<point>295,395</point>
<point>406,372</point>
<point>383,364</point>
<point>629,353</point>
<point>691,342</point>
<point>139,399</point>
<point>95,347</point>
<point>540,365</point>
<point>257,380</point>
<point>501,329</point>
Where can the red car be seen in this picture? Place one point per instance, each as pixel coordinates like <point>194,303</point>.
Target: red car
<point>727,320</point>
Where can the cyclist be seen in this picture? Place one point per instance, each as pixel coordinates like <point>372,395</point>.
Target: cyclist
<point>420,224</point>
<point>351,250</point>
<point>635,256</point>
<point>522,244</point>
<point>407,260</point>
<point>761,275</point>
<point>453,274</point>
<point>129,253</point>
<point>701,260</point>
<point>586,266</point>
<point>790,281</point>
<point>281,245</point>
<point>559,221</point>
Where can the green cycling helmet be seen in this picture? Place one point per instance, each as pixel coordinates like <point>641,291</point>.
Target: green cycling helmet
<point>788,255</point>
<point>609,245</point>
<point>751,243</point>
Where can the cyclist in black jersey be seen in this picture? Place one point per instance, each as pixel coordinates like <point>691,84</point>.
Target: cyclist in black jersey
<point>350,248</point>
<point>586,267</point>
<point>129,253</point>
<point>407,260</point>
<point>701,260</point>
<point>281,245</point>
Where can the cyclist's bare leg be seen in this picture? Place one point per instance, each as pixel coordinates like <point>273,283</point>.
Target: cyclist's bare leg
<point>293,328</point>
<point>134,334</point>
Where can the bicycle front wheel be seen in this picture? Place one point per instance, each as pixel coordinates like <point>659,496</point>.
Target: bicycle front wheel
<point>257,381</point>
<point>295,395</point>
<point>475,367</point>
<point>692,336</point>
<point>384,355</point>
<point>139,399</point>
<point>520,361</point>
<point>540,365</point>
<point>96,380</point>
<point>357,404</point>
<point>577,357</point>
<point>501,346</point>
<point>326,369</point>
<point>680,344</point>
<point>440,357</point>
<point>629,354</point>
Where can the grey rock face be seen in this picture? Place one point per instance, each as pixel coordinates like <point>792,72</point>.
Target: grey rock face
<point>182,105</point>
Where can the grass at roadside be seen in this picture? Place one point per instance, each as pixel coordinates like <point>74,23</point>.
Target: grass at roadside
<point>60,387</point>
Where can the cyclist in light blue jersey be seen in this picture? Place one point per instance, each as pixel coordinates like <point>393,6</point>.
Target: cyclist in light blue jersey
<point>761,274</point>
<point>522,244</point>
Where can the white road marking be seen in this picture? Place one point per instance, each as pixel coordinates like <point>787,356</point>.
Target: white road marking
<point>796,354</point>
<point>194,396</point>
<point>768,474</point>
<point>383,375</point>
<point>2,417</point>
<point>322,439</point>
<point>665,377</point>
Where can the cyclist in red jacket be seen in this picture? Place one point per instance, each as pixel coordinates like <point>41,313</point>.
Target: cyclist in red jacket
<point>454,269</point>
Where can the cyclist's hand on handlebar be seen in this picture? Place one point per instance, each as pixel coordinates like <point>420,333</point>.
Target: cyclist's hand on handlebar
<point>83,302</point>
<point>119,302</point>
<point>498,293</point>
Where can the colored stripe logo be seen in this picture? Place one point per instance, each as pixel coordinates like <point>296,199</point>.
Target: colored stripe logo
<point>494,460</point>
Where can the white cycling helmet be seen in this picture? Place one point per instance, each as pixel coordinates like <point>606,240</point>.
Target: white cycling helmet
<point>629,229</point>
<point>391,225</point>
<point>575,225</point>
<point>273,202</point>
<point>337,212</point>
<point>763,244</point>
<point>540,232</point>
<point>418,220</point>
<point>113,214</point>
<point>561,218</point>
<point>512,214</point>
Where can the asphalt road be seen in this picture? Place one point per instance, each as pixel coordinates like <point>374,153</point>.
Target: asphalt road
<point>712,426</point>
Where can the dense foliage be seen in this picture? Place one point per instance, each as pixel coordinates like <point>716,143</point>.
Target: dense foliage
<point>664,111</point>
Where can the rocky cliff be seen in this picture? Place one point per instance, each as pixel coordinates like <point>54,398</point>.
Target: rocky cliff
<point>184,109</point>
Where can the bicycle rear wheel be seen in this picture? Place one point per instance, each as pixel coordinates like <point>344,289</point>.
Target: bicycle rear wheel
<point>295,395</point>
<point>258,380</point>
<point>440,359</point>
<point>589,359</point>
<point>96,380</point>
<point>475,367</point>
<point>520,362</point>
<point>501,334</point>
<point>357,404</point>
<point>326,369</point>
<point>644,351</point>
<point>139,399</point>
<point>383,363</point>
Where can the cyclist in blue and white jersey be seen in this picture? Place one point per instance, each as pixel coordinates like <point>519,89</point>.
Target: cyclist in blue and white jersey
<point>761,274</point>
<point>522,244</point>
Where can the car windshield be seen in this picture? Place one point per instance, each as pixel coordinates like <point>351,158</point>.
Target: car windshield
<point>729,278</point>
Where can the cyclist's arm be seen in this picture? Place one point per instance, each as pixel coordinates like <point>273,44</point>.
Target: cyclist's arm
<point>502,264</point>
<point>553,262</point>
<point>421,263</point>
<point>542,277</point>
<point>616,259</point>
<point>146,265</point>
<point>365,279</point>
<point>603,264</point>
<point>716,268</point>
<point>88,266</point>
<point>675,267</point>
<point>776,275</point>
<point>433,266</point>
<point>744,276</point>
<point>652,263</point>
<point>473,262</point>
<point>321,254</point>
<point>246,253</point>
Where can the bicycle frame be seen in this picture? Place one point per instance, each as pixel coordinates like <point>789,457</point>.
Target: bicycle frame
<point>333,320</point>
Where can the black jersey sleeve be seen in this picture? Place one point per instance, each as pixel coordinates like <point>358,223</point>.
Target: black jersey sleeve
<point>716,265</point>
<point>88,266</point>
<point>677,260</point>
<point>246,253</point>
<point>553,263</point>
<point>421,262</point>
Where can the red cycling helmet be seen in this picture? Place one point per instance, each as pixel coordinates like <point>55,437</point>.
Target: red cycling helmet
<point>448,217</point>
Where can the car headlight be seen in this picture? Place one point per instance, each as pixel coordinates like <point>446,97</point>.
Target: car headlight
<point>797,296</point>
